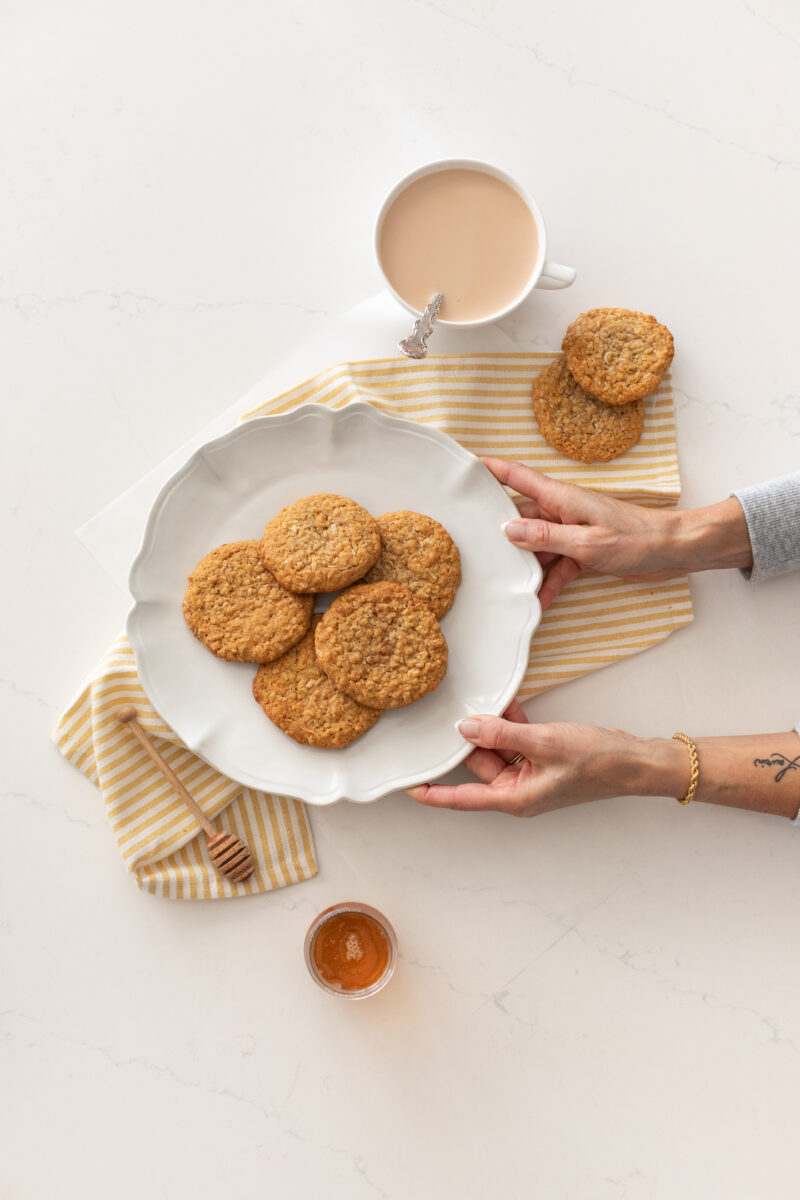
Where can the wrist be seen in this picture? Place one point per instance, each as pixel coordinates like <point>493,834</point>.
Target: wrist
<point>654,767</point>
<point>713,538</point>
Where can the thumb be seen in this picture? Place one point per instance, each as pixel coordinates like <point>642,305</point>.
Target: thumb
<point>493,733</point>
<point>538,535</point>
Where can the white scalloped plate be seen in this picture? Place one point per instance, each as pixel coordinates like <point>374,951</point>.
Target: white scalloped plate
<point>227,491</point>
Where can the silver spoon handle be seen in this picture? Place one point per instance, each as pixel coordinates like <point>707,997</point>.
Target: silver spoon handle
<point>416,346</point>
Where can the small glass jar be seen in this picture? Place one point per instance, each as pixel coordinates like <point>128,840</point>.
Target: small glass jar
<point>349,936</point>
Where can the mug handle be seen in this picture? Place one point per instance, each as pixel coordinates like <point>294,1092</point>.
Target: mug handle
<point>555,276</point>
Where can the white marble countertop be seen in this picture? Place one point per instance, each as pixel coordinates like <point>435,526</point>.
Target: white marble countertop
<point>603,1003</point>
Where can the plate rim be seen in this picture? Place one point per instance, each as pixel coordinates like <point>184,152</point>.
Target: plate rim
<point>333,794</point>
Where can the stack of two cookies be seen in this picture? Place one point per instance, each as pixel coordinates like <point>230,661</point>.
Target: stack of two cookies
<point>589,402</point>
<point>325,679</point>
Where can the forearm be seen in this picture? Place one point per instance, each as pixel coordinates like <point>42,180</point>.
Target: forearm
<point>760,772</point>
<point>712,538</point>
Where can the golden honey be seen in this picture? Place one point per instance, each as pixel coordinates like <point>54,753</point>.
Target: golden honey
<point>350,951</point>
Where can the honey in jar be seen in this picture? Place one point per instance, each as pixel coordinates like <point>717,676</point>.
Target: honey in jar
<point>350,949</point>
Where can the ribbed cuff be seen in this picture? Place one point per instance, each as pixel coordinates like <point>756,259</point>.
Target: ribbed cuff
<point>772,513</point>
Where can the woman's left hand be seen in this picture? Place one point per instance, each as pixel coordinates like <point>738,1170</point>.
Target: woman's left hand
<point>563,764</point>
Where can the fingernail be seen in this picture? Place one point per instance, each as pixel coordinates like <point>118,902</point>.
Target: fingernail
<point>469,728</point>
<point>514,531</point>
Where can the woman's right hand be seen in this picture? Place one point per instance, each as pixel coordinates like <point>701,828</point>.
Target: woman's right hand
<point>571,529</point>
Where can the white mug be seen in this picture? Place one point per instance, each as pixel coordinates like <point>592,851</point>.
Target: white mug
<point>545,274</point>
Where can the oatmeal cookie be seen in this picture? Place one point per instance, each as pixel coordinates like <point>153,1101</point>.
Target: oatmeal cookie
<point>320,543</point>
<point>617,355</point>
<point>237,609</point>
<point>579,425</point>
<point>381,645</point>
<point>301,700</point>
<point>419,553</point>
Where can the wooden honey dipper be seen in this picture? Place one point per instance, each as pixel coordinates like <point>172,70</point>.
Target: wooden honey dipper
<point>229,855</point>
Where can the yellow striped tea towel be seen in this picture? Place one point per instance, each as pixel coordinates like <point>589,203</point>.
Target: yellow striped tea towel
<point>484,402</point>
<point>161,844</point>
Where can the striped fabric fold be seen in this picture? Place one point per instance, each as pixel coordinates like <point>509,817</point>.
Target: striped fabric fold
<point>484,402</point>
<point>160,843</point>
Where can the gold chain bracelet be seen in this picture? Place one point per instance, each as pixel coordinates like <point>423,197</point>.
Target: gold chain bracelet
<point>687,799</point>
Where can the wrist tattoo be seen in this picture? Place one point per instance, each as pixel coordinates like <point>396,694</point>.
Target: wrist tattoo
<point>776,759</point>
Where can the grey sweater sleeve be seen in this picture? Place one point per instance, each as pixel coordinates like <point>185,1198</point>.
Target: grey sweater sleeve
<point>772,513</point>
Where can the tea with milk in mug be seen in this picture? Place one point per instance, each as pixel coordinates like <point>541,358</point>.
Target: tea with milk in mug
<point>461,232</point>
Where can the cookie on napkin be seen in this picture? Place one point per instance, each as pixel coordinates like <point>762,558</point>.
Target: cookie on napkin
<point>577,424</point>
<point>617,355</point>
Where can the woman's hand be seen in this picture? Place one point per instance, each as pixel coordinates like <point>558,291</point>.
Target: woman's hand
<point>571,529</point>
<point>563,764</point>
<point>567,764</point>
